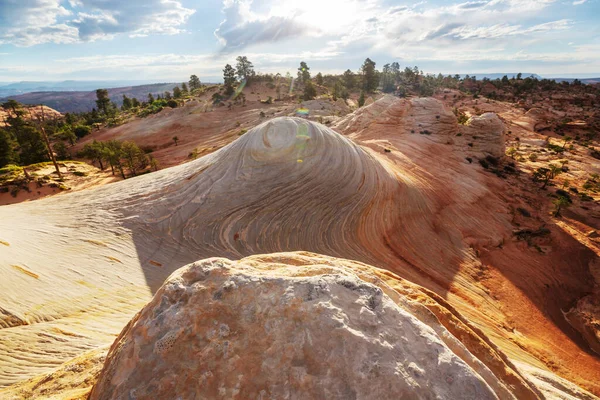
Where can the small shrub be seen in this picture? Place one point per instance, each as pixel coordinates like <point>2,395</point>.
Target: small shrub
<point>79,173</point>
<point>533,157</point>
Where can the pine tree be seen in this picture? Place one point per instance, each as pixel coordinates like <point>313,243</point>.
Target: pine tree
<point>319,79</point>
<point>309,91</point>
<point>194,83</point>
<point>8,155</point>
<point>245,69</point>
<point>303,72</point>
<point>349,81</point>
<point>102,100</point>
<point>126,103</point>
<point>228,79</point>
<point>369,76</point>
<point>176,92</point>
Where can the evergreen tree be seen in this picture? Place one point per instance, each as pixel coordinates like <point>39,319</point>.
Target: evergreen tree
<point>95,152</point>
<point>31,146</point>
<point>245,69</point>
<point>126,103</point>
<point>369,76</point>
<point>309,91</point>
<point>8,155</point>
<point>319,79</point>
<point>361,99</point>
<point>349,81</point>
<point>102,100</point>
<point>395,72</point>
<point>133,157</point>
<point>135,102</point>
<point>150,98</point>
<point>184,88</point>
<point>60,149</point>
<point>194,83</point>
<point>228,79</point>
<point>303,72</point>
<point>387,79</point>
<point>176,92</point>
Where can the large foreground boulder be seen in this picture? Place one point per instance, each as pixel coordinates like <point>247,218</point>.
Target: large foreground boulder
<point>290,325</point>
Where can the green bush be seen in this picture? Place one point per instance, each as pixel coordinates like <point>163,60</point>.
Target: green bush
<point>82,130</point>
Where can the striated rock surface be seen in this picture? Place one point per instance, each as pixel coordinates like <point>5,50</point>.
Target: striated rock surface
<point>585,314</point>
<point>485,134</point>
<point>76,268</point>
<point>293,325</point>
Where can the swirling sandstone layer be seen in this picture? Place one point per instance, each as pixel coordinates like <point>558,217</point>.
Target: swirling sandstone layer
<point>77,267</point>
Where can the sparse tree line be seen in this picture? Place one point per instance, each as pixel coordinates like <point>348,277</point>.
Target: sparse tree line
<point>123,157</point>
<point>23,140</point>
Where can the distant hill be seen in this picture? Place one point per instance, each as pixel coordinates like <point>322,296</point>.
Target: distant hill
<point>15,88</point>
<point>587,81</point>
<point>501,75</point>
<point>528,74</point>
<point>78,101</point>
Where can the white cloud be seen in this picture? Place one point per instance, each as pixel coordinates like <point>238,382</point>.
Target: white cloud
<point>579,2</point>
<point>26,23</point>
<point>31,22</point>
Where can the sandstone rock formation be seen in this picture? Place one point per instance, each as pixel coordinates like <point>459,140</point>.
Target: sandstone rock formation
<point>380,190</point>
<point>484,135</point>
<point>326,108</point>
<point>585,314</point>
<point>424,116</point>
<point>294,325</point>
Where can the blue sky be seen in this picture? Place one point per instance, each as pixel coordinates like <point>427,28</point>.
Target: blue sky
<point>167,40</point>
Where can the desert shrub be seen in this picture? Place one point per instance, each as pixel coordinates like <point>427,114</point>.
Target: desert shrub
<point>555,148</point>
<point>460,116</point>
<point>533,157</point>
<point>493,160</point>
<point>79,173</point>
<point>172,103</point>
<point>82,130</point>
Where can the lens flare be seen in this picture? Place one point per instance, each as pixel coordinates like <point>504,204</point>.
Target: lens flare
<point>302,112</point>
<point>302,137</point>
<point>239,89</point>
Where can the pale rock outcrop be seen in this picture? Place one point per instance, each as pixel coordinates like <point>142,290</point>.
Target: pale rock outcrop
<point>425,116</point>
<point>290,325</point>
<point>484,135</point>
<point>585,317</point>
<point>536,119</point>
<point>429,116</point>
<point>326,108</point>
<point>585,314</point>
